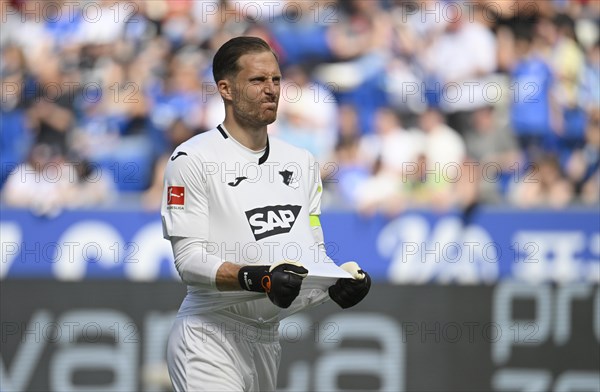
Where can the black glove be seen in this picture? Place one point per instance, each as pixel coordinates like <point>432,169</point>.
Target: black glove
<point>281,282</point>
<point>347,292</point>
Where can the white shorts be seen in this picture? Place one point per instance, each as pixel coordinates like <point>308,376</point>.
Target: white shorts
<point>216,353</point>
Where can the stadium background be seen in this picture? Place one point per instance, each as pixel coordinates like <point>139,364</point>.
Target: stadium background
<point>459,143</point>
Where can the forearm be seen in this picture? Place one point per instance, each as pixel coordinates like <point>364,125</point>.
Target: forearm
<point>227,277</point>
<point>197,267</point>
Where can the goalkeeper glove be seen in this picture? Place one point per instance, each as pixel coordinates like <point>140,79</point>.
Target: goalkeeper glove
<point>281,282</point>
<point>347,292</point>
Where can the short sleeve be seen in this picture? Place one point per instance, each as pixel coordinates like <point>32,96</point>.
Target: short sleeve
<point>315,186</point>
<point>184,206</point>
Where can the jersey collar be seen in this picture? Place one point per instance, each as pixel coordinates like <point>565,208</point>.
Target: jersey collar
<point>264,156</point>
<point>223,133</point>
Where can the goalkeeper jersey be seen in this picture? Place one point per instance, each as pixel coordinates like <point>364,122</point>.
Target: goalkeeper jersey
<point>247,208</point>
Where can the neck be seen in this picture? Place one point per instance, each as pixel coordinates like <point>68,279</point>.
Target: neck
<point>254,138</point>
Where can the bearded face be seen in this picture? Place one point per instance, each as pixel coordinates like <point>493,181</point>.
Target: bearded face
<point>255,90</point>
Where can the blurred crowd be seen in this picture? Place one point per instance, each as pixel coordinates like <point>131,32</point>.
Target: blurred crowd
<point>405,104</point>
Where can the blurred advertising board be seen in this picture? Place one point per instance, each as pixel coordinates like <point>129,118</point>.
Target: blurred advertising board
<point>110,335</point>
<point>416,247</point>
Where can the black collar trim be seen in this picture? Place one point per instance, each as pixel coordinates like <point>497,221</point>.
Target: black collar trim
<point>223,133</point>
<point>264,157</point>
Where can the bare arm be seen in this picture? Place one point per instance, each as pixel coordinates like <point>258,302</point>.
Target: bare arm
<point>227,277</point>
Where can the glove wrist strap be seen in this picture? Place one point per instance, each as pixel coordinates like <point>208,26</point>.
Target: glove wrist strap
<point>255,278</point>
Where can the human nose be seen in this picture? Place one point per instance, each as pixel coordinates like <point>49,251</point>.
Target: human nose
<point>269,87</point>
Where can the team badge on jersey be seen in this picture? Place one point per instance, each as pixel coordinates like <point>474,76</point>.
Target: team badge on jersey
<point>176,196</point>
<point>271,220</point>
<point>289,179</point>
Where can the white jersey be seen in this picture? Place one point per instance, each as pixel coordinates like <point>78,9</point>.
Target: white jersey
<point>248,208</point>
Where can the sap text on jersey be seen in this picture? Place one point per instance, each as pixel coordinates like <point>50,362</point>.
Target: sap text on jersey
<point>272,220</point>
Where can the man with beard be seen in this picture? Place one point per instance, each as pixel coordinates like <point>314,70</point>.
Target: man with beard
<point>235,202</point>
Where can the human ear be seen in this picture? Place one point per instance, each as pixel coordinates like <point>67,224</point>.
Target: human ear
<point>224,87</point>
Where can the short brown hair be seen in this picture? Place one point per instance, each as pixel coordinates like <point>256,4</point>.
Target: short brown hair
<point>225,62</point>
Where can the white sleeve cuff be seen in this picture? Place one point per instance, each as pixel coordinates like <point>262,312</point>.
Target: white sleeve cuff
<point>194,264</point>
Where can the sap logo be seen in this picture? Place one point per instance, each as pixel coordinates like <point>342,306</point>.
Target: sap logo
<point>271,220</point>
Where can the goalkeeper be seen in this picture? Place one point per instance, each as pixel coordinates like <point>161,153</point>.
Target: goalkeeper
<point>241,210</point>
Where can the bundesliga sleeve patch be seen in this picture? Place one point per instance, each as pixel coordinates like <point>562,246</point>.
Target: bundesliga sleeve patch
<point>175,196</point>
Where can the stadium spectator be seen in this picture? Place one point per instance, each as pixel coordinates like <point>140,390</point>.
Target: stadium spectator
<point>445,152</point>
<point>391,152</point>
<point>15,135</point>
<point>392,144</point>
<point>542,185</point>
<point>583,165</point>
<point>443,145</point>
<point>589,93</point>
<point>23,30</point>
<point>348,170</point>
<point>360,43</point>
<point>51,105</point>
<point>461,61</point>
<point>531,110</point>
<point>48,183</point>
<point>387,152</point>
<point>567,60</point>
<point>493,147</point>
<point>308,114</point>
